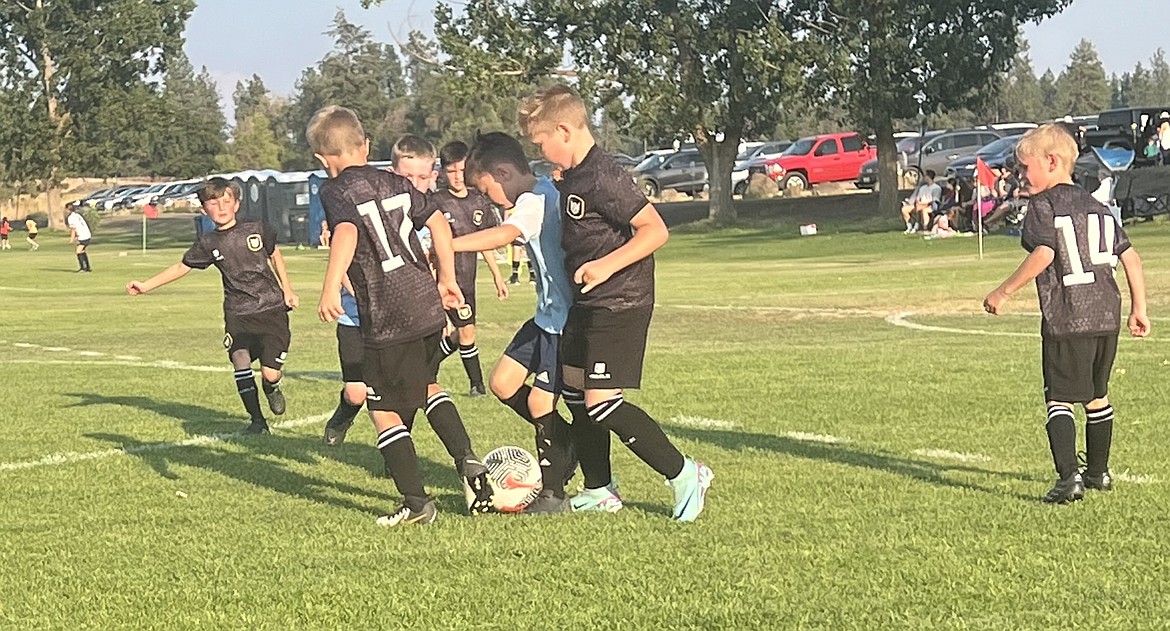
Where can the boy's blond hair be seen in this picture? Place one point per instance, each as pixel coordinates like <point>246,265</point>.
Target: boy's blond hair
<point>1049,139</point>
<point>334,130</point>
<point>550,107</point>
<point>412,146</point>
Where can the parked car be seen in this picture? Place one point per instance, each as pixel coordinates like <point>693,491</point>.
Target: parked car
<point>906,145</point>
<point>819,159</point>
<point>769,149</point>
<point>181,192</point>
<point>938,152</point>
<point>139,198</point>
<point>625,160</point>
<point>1125,128</point>
<point>122,199</point>
<point>741,175</point>
<point>996,154</point>
<point>683,171</point>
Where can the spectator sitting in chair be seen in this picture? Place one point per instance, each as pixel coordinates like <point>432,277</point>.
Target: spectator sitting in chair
<point>922,203</point>
<point>1014,199</point>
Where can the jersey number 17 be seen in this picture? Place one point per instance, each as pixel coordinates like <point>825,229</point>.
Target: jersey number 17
<point>1097,225</point>
<point>380,215</point>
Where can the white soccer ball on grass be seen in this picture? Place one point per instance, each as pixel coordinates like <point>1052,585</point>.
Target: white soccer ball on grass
<point>515,478</point>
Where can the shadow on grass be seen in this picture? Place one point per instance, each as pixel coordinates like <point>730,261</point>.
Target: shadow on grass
<point>921,470</point>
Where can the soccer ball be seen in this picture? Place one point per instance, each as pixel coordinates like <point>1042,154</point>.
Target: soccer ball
<point>515,478</point>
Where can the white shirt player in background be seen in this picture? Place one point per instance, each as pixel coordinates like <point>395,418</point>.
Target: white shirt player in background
<point>79,233</point>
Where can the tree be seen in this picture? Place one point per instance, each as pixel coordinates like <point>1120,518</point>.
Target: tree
<point>891,59</point>
<point>1020,98</point>
<point>253,146</point>
<point>1083,87</point>
<point>1049,95</point>
<point>1151,88</point>
<point>193,133</point>
<point>252,97</point>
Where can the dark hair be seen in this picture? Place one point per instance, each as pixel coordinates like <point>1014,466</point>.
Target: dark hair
<point>493,149</point>
<point>216,188</point>
<point>930,173</point>
<point>453,152</point>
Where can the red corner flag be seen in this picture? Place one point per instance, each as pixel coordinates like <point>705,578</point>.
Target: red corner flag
<point>983,173</point>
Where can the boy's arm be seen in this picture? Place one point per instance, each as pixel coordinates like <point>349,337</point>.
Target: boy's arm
<point>1036,262</point>
<point>486,240</point>
<point>168,275</point>
<point>290,297</point>
<point>341,249</point>
<point>1135,275</point>
<point>650,233</point>
<point>444,261</point>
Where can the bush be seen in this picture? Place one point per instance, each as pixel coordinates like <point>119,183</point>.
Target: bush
<point>92,217</point>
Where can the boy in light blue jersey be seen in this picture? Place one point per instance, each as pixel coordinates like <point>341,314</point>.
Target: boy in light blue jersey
<point>498,167</point>
<point>350,350</point>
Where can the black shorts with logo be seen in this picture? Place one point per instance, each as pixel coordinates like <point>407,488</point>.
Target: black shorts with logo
<point>83,242</point>
<point>397,376</point>
<point>1076,370</point>
<point>608,345</point>
<point>265,335</point>
<point>464,315</point>
<point>350,350</point>
<point>536,349</point>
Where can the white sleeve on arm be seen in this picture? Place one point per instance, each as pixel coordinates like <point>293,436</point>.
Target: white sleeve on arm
<point>527,215</point>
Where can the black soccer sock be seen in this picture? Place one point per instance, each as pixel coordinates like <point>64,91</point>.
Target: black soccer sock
<point>246,386</point>
<point>448,344</point>
<point>1062,440</point>
<point>402,465</point>
<point>515,268</point>
<point>519,402</point>
<point>591,441</point>
<point>81,262</point>
<point>640,433</point>
<point>345,412</point>
<point>469,353</point>
<point>1098,439</point>
<point>552,450</point>
<point>269,386</point>
<point>84,259</point>
<point>444,419</point>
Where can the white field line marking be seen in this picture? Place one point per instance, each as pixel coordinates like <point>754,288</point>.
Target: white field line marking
<point>70,457</point>
<point>900,319</point>
<point>33,289</point>
<point>944,454</point>
<point>56,349</point>
<point>1135,478</point>
<point>703,423</point>
<point>117,362</point>
<point>766,309</point>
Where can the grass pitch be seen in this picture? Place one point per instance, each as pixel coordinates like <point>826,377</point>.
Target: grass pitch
<point>877,440</point>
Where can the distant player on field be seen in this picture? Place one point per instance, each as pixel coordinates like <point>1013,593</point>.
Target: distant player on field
<point>374,217</point>
<point>610,232</point>
<point>498,168</point>
<point>30,225</point>
<point>1073,245</point>
<point>467,211</point>
<point>257,295</point>
<point>80,234</point>
<point>5,228</point>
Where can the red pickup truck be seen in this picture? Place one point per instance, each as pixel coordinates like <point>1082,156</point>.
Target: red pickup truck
<point>819,159</point>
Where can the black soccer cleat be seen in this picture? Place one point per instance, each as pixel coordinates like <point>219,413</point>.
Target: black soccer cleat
<point>335,431</point>
<point>275,401</point>
<point>547,503</point>
<point>477,390</point>
<point>258,427</point>
<point>479,501</point>
<point>513,280</point>
<point>1098,482</point>
<point>1070,489</point>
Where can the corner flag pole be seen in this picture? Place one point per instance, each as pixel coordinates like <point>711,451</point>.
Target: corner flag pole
<point>979,216</point>
<point>143,232</point>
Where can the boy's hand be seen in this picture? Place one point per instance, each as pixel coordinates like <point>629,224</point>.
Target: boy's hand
<point>501,288</point>
<point>450,295</point>
<point>1139,324</point>
<point>137,288</point>
<point>591,275</point>
<point>329,307</point>
<point>994,302</point>
<point>291,300</point>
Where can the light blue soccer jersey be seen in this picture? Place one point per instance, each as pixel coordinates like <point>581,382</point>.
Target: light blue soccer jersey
<point>349,305</point>
<point>538,217</point>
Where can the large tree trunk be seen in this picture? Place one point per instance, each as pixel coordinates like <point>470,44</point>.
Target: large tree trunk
<point>888,194</point>
<point>720,160</point>
<point>55,210</point>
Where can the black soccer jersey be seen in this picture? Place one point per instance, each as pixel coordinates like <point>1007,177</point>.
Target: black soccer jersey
<point>466,215</point>
<point>397,298</point>
<point>1078,294</point>
<point>241,254</point>
<point>598,199</point>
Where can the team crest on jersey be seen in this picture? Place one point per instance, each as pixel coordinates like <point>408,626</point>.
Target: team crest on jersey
<point>575,207</point>
<point>227,340</point>
<point>477,217</point>
<point>255,242</point>
<point>464,312</point>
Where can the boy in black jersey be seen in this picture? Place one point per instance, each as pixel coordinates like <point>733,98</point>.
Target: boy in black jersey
<point>609,235</point>
<point>374,217</point>
<point>1073,245</point>
<point>255,299</point>
<point>468,211</point>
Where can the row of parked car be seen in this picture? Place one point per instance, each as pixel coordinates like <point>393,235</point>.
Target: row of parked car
<point>163,194</point>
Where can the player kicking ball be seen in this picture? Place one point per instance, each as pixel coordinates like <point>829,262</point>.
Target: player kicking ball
<point>1073,245</point>
<point>498,168</point>
<point>257,295</point>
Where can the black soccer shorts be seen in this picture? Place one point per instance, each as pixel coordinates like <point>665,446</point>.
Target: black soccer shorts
<point>1077,370</point>
<point>609,346</point>
<point>265,335</point>
<point>350,350</point>
<point>465,314</point>
<point>536,349</point>
<point>397,375</point>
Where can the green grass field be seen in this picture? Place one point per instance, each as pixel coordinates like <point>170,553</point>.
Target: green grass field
<point>878,444</point>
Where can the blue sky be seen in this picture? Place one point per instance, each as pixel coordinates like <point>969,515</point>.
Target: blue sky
<point>278,39</point>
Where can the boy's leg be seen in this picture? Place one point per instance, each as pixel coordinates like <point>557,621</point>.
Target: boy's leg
<point>351,353</point>
<point>394,395</point>
<point>1067,366</point>
<point>464,321</point>
<point>241,361</point>
<point>589,440</point>
<point>1099,419</point>
<point>274,336</point>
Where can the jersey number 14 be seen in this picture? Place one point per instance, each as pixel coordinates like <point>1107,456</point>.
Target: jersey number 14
<point>382,213</point>
<point>1097,225</point>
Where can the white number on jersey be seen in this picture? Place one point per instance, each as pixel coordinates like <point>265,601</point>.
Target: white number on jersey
<point>381,212</point>
<point>1097,225</point>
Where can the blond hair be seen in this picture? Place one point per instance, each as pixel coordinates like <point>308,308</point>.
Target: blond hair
<point>335,130</point>
<point>550,107</point>
<point>1050,139</point>
<point>412,146</point>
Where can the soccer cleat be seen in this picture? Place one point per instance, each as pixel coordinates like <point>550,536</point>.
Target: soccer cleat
<point>603,500</point>
<point>477,391</point>
<point>548,504</point>
<point>275,401</point>
<point>475,475</point>
<point>690,490</point>
<point>1070,489</point>
<point>405,517</point>
<point>1098,482</point>
<point>335,431</point>
<point>513,280</point>
<point>258,427</point>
